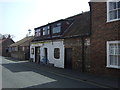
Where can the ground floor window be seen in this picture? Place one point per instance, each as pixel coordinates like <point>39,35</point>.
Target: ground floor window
<point>113,54</point>
<point>23,48</point>
<point>32,50</point>
<point>7,50</point>
<point>57,53</point>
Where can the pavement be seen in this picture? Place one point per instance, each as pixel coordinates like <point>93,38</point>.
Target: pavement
<point>103,81</point>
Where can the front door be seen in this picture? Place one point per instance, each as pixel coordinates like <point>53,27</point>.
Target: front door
<point>37,54</point>
<point>68,58</point>
<point>46,55</point>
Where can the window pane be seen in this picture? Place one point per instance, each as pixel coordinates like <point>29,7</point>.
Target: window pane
<point>59,24</point>
<point>116,49</point>
<point>113,60</point>
<point>119,60</point>
<point>57,29</point>
<point>48,31</point>
<point>57,53</point>
<point>119,49</point>
<point>119,13</point>
<point>43,32</point>
<point>113,15</point>
<point>112,5</point>
<point>32,50</point>
<point>111,49</point>
<point>118,4</point>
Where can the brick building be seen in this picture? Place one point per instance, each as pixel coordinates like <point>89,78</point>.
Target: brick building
<point>77,43</point>
<point>4,46</point>
<point>21,48</point>
<point>105,38</point>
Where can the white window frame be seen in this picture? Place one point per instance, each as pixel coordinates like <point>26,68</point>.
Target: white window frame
<point>108,15</point>
<point>108,55</point>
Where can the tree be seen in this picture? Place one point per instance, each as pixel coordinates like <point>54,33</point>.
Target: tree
<point>6,36</point>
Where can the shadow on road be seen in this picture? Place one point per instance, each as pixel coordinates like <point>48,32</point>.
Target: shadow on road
<point>60,81</point>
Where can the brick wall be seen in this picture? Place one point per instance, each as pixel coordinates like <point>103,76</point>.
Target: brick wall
<point>77,59</point>
<point>101,32</point>
<point>22,55</point>
<point>4,46</point>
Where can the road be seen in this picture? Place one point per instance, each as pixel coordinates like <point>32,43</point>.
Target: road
<point>22,74</point>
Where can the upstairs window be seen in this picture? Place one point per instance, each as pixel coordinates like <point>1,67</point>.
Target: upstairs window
<point>46,30</point>
<point>113,54</point>
<point>38,32</point>
<point>43,31</point>
<point>113,10</point>
<point>56,28</point>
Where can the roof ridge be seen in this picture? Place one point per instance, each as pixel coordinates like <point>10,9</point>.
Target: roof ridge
<point>21,42</point>
<point>25,41</point>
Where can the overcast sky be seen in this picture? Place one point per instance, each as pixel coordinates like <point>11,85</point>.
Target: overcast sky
<point>17,16</point>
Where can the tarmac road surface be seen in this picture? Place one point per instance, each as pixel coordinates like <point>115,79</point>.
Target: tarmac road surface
<point>24,74</point>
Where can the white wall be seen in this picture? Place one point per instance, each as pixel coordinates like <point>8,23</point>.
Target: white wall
<point>50,45</point>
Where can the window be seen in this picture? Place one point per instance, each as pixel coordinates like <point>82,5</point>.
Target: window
<point>56,28</point>
<point>38,32</point>
<point>113,10</point>
<point>113,54</point>
<point>7,50</point>
<point>46,30</point>
<point>16,48</point>
<point>32,50</point>
<point>10,49</point>
<point>43,31</point>
<point>13,49</point>
<point>87,42</point>
<point>23,48</point>
<point>57,53</point>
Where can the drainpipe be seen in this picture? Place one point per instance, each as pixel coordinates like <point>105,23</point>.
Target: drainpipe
<point>83,58</point>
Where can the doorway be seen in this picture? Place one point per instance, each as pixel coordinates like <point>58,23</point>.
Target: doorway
<point>37,54</point>
<point>45,56</point>
<point>68,58</point>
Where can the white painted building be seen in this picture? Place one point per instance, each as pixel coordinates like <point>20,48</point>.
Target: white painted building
<point>53,50</point>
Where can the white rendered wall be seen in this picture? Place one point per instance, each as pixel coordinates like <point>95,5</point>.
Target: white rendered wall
<point>50,45</point>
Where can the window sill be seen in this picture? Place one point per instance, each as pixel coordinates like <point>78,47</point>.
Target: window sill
<point>115,67</point>
<point>108,21</point>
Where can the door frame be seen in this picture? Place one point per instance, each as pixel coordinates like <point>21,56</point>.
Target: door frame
<point>36,53</point>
